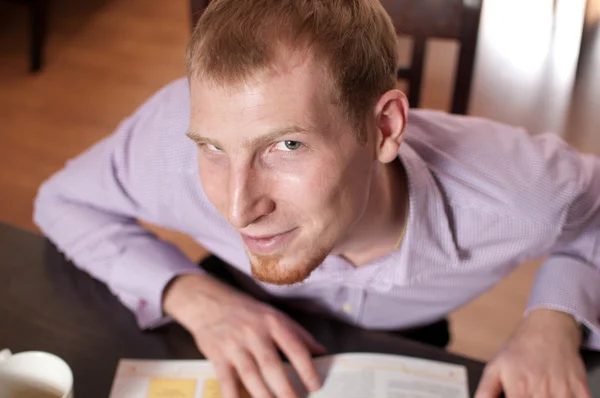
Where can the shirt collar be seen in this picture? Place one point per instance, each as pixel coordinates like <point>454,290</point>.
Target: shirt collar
<point>429,237</point>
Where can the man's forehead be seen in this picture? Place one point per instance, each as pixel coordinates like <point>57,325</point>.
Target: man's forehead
<point>291,99</point>
<point>259,105</point>
<point>290,67</point>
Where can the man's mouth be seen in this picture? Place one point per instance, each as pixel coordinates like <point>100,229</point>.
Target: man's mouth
<point>268,244</point>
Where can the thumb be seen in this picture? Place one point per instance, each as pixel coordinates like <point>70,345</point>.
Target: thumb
<point>490,385</point>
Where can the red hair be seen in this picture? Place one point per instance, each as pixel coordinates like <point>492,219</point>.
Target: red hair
<point>236,39</point>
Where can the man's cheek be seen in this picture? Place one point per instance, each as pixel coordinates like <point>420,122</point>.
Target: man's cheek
<point>215,192</point>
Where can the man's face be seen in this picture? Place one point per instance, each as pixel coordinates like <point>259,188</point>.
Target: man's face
<point>281,163</point>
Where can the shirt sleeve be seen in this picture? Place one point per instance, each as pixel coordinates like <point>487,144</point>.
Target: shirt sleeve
<point>90,210</point>
<point>569,279</point>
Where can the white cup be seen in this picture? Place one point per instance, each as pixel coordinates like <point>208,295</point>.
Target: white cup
<point>34,374</point>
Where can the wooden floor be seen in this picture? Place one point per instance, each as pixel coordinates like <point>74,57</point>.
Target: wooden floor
<point>105,57</point>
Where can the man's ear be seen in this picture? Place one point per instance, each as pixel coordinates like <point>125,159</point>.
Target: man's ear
<point>391,112</point>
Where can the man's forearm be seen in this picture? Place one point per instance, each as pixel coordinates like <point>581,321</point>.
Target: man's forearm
<point>134,263</point>
<point>566,284</point>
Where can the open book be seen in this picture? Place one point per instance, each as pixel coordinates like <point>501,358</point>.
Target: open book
<point>354,375</point>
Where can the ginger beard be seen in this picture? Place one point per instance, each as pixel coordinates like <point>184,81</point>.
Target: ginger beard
<point>278,270</point>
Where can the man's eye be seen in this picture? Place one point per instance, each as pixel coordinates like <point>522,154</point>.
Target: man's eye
<point>288,145</point>
<point>212,148</point>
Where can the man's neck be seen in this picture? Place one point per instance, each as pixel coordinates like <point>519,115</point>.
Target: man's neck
<point>379,229</point>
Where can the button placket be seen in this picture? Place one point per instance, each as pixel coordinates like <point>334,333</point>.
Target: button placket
<point>353,304</point>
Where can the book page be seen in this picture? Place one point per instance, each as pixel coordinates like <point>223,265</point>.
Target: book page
<point>388,376</point>
<point>354,375</point>
<point>165,379</point>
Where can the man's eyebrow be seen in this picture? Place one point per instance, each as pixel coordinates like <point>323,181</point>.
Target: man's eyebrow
<point>255,142</point>
<point>199,139</point>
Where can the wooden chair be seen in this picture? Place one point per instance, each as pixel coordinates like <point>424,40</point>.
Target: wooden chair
<point>38,21</point>
<point>423,20</point>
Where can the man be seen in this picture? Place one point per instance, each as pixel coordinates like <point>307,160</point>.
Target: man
<point>302,167</point>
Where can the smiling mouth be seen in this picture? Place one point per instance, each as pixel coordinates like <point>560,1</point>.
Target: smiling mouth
<point>268,244</point>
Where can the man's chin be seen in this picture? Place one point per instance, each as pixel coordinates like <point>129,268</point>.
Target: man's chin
<point>278,270</point>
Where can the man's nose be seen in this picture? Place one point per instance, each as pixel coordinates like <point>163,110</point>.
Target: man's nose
<point>248,200</point>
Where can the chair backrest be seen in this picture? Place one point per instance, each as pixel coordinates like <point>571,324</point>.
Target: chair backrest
<point>448,19</point>
<point>422,20</point>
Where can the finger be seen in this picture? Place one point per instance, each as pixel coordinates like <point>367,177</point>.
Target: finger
<point>545,389</point>
<point>580,389</point>
<point>272,368</point>
<point>516,387</point>
<point>490,385</point>
<point>228,382</point>
<point>249,374</point>
<point>557,391</point>
<point>308,339</point>
<point>296,351</point>
<point>582,392</point>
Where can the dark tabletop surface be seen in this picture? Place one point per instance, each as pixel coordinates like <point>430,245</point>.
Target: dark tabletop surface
<point>47,304</point>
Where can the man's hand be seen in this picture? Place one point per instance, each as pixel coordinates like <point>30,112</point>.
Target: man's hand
<point>240,336</point>
<point>541,360</point>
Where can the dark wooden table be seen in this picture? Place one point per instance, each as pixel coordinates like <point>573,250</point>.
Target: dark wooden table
<point>47,304</point>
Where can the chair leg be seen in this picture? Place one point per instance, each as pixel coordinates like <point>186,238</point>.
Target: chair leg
<point>39,20</point>
<point>589,35</point>
<point>466,61</point>
<point>415,78</point>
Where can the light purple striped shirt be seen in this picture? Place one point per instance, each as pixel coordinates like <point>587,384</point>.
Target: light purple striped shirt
<point>484,198</point>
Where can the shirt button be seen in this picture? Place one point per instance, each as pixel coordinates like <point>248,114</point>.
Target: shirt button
<point>347,308</point>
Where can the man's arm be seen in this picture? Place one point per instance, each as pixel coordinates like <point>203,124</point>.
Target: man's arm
<point>569,280</point>
<point>558,192</point>
<point>90,208</point>
<point>90,211</point>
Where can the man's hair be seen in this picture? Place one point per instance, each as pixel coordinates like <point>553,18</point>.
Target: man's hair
<point>236,39</point>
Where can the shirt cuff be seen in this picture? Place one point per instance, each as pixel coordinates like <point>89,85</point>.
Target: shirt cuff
<point>566,284</point>
<point>143,273</point>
